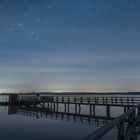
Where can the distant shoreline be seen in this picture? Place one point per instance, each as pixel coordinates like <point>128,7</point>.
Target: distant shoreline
<point>76,93</point>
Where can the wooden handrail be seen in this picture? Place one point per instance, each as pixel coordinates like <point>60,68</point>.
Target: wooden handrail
<point>106,128</point>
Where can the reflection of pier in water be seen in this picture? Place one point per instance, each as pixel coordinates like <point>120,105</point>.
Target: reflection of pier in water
<point>39,112</point>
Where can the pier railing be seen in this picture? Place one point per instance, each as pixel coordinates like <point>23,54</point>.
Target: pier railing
<point>133,118</point>
<point>115,101</point>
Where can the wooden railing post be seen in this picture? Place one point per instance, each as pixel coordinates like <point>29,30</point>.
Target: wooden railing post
<point>81,99</point>
<point>68,99</point>
<point>56,99</point>
<point>62,99</point>
<point>121,101</point>
<point>74,99</point>
<point>127,101</point>
<point>111,100</point>
<point>97,100</point>
<point>116,100</point>
<point>88,100</point>
<point>106,100</point>
<point>132,101</point>
<point>103,100</point>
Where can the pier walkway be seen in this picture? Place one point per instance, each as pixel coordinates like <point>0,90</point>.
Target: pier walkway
<point>28,104</point>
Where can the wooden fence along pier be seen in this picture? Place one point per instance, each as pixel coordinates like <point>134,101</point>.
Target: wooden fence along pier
<point>128,124</point>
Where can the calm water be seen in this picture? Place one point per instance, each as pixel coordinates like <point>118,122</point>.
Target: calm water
<point>15,127</point>
<point>18,126</point>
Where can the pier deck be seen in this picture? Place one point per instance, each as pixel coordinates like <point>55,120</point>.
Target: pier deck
<point>27,104</point>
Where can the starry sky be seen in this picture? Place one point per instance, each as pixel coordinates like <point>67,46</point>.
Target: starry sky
<point>69,45</point>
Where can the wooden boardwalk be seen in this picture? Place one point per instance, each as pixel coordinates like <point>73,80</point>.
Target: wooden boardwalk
<point>78,102</point>
<point>28,103</point>
<point>112,101</point>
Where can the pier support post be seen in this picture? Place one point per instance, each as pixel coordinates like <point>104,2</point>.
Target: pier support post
<point>79,109</point>
<point>57,107</point>
<point>54,106</point>
<point>65,109</point>
<point>108,111</point>
<point>51,105</point>
<point>93,110</point>
<point>75,108</point>
<point>68,107</point>
<point>90,108</point>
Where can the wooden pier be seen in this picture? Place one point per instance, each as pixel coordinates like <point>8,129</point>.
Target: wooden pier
<point>28,104</point>
<point>112,101</point>
<point>92,102</point>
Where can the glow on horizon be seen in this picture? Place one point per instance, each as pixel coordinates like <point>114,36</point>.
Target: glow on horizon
<point>64,90</point>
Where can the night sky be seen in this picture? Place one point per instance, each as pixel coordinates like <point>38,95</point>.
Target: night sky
<point>69,45</point>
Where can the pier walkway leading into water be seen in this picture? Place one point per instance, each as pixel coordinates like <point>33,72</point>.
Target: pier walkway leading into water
<point>130,105</point>
<point>91,102</point>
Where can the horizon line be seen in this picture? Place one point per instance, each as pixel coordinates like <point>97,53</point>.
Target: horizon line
<point>72,92</point>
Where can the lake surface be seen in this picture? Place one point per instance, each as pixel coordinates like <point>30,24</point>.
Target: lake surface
<point>24,126</point>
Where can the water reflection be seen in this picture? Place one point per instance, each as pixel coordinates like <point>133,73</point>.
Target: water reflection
<point>39,113</point>
<point>33,123</point>
<point>54,122</point>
